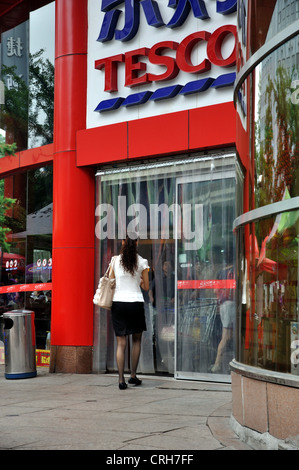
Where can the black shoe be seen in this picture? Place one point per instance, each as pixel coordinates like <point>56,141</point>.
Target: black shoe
<point>134,381</point>
<point>122,385</point>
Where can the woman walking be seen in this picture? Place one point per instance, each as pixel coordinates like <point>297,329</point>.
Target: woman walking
<point>131,272</point>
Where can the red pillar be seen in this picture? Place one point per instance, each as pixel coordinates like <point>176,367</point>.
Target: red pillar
<point>73,199</point>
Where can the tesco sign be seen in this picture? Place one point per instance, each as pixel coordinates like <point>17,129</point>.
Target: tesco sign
<point>157,55</point>
<point>137,46</point>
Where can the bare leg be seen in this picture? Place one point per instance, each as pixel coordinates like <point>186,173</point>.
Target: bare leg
<point>226,336</point>
<point>120,356</point>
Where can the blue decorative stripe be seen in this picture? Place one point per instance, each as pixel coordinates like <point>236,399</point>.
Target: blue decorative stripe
<point>197,86</point>
<point>165,93</point>
<point>108,105</point>
<point>224,80</point>
<point>137,98</point>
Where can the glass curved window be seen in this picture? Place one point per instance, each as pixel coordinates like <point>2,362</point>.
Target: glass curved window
<point>268,293</point>
<point>27,80</point>
<point>268,142</point>
<point>276,138</point>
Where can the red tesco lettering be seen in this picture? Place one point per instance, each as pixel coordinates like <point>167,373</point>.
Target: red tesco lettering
<point>136,70</point>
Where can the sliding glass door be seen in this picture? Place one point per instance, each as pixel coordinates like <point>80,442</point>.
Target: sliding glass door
<point>205,282</point>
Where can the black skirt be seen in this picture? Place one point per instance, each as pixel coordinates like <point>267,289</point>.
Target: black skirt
<point>128,318</point>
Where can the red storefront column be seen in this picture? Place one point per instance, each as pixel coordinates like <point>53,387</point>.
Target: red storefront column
<point>73,199</point>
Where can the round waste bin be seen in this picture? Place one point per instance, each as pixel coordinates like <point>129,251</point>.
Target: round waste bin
<point>19,344</point>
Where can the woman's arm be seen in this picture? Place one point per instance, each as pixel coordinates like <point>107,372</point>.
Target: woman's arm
<point>144,284</point>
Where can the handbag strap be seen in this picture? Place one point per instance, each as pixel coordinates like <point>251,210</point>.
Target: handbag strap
<point>111,264</point>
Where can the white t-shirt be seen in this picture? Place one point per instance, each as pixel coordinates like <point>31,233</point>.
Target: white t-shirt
<point>127,286</point>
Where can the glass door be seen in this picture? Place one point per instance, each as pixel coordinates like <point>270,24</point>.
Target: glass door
<point>205,284</point>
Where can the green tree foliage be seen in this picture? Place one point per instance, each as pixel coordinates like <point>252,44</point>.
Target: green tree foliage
<point>7,149</point>
<point>5,204</point>
<point>41,97</point>
<point>29,110</point>
<point>281,132</point>
<point>14,114</point>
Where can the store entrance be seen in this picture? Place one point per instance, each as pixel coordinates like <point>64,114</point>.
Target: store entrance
<point>183,212</point>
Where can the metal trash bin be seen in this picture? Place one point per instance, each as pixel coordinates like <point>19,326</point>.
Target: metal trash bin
<point>19,344</point>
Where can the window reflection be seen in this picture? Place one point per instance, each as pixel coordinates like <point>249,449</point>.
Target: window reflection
<point>277,127</point>
<point>267,261</point>
<point>26,270</point>
<point>269,18</point>
<point>269,291</point>
<point>41,76</point>
<point>27,71</point>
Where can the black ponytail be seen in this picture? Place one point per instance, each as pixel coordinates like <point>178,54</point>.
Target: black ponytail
<point>129,255</point>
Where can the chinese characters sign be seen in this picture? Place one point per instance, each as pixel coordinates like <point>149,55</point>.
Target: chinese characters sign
<point>153,15</point>
<point>15,54</point>
<point>136,47</point>
<point>14,46</point>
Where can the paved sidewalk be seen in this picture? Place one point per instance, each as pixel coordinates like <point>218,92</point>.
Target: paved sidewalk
<point>89,412</point>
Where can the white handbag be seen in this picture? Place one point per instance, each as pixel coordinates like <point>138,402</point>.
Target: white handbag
<point>105,291</point>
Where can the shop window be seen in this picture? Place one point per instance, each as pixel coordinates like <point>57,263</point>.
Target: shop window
<point>27,71</point>
<point>26,269</point>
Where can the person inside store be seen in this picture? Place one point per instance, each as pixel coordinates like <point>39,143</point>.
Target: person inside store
<point>226,305</point>
<point>168,285</point>
<point>128,318</point>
